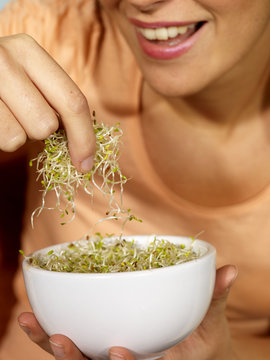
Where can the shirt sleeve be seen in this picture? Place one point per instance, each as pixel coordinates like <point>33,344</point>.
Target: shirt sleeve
<point>63,27</point>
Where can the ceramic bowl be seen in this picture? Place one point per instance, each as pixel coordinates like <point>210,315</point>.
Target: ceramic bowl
<point>145,311</point>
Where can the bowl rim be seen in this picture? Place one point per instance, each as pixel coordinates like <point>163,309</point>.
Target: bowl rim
<point>211,252</point>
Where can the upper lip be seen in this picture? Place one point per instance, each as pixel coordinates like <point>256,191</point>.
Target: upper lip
<point>159,24</point>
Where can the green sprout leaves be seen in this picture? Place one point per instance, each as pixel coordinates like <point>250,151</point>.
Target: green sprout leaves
<point>22,252</point>
<point>57,173</point>
<point>117,255</point>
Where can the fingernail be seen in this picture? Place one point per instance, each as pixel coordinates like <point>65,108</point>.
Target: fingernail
<point>58,350</point>
<point>116,356</point>
<point>87,164</point>
<point>25,328</point>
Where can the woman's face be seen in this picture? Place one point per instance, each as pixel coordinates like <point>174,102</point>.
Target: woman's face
<point>185,46</point>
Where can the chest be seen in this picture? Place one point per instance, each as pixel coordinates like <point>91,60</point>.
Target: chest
<point>240,233</point>
<point>204,163</point>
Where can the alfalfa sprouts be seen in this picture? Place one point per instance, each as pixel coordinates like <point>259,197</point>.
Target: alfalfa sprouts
<point>96,256</point>
<point>57,173</point>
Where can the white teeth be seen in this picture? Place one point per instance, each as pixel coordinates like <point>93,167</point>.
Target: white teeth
<point>164,33</point>
<point>192,26</point>
<point>172,31</point>
<point>149,34</point>
<point>182,29</point>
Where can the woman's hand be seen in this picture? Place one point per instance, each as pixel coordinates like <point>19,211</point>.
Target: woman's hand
<point>210,341</point>
<point>58,345</point>
<point>35,92</point>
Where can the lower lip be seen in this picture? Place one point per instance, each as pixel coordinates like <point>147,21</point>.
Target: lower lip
<point>165,52</point>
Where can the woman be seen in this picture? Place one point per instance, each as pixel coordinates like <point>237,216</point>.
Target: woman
<point>188,81</point>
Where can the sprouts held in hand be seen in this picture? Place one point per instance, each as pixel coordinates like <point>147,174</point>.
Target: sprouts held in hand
<point>58,174</point>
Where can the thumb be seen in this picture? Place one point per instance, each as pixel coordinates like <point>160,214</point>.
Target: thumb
<point>120,353</point>
<point>225,277</point>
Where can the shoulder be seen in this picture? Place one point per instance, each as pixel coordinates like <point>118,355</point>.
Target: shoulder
<point>41,18</point>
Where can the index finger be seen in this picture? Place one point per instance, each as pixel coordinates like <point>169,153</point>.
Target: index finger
<point>66,98</point>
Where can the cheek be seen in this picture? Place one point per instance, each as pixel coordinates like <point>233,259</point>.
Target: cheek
<point>222,6</point>
<point>249,10</point>
<point>110,4</point>
<point>239,22</point>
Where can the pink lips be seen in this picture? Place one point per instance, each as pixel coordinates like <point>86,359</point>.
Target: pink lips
<point>164,51</point>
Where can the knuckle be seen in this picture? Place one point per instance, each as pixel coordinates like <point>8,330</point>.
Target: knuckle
<point>15,42</point>
<point>22,39</point>
<point>76,102</point>
<point>13,143</point>
<point>45,129</point>
<point>5,58</point>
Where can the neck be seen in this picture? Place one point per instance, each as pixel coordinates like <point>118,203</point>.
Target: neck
<point>215,121</point>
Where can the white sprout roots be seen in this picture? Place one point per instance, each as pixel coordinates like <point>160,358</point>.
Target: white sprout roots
<point>58,174</point>
<point>96,256</point>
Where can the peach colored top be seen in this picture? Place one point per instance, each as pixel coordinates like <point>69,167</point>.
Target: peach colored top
<point>89,47</point>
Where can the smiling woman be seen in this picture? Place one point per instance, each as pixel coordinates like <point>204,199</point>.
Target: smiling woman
<point>165,42</point>
<point>189,83</point>
<point>209,54</point>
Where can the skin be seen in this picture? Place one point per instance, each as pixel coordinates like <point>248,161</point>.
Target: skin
<point>207,87</point>
<point>32,109</point>
<point>218,55</point>
<point>207,96</point>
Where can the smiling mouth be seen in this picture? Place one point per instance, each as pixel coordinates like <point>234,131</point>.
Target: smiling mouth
<point>171,35</point>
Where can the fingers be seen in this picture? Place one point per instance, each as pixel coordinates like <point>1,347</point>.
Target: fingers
<point>58,345</point>
<point>31,327</point>
<point>33,89</point>
<point>64,349</point>
<point>120,353</point>
<point>67,99</point>
<point>28,106</point>
<point>69,102</point>
<point>12,135</point>
<point>225,278</point>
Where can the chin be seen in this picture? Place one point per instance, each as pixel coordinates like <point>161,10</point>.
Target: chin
<point>178,80</point>
<point>176,88</point>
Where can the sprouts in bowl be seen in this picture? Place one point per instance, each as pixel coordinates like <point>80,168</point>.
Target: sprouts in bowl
<point>146,309</point>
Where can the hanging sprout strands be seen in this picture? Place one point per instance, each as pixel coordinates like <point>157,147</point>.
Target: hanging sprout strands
<point>96,256</point>
<point>58,174</point>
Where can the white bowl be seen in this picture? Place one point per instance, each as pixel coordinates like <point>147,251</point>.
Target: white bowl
<point>145,311</point>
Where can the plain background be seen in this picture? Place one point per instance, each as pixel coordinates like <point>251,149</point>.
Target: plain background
<point>3,3</point>
<point>9,239</point>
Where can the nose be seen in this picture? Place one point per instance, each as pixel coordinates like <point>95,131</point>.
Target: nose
<point>146,5</point>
